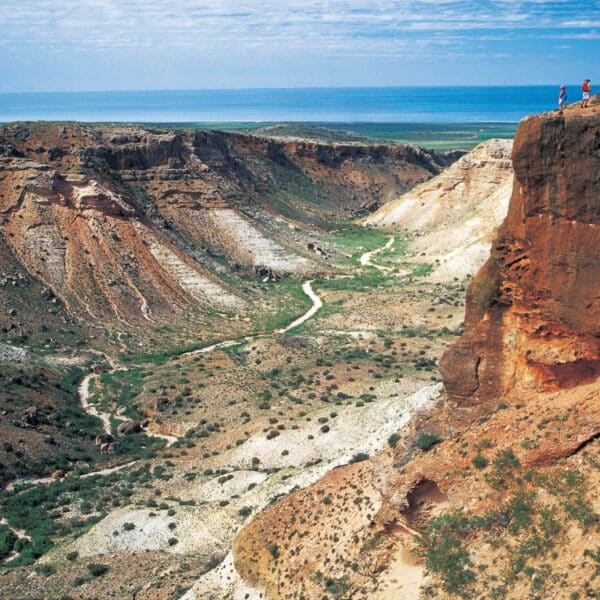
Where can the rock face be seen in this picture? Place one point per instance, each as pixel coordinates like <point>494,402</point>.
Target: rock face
<point>124,225</point>
<point>460,209</point>
<point>533,312</point>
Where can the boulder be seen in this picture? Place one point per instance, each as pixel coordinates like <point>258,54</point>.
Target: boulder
<point>129,427</point>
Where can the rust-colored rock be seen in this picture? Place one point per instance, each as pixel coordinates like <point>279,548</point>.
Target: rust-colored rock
<point>533,311</point>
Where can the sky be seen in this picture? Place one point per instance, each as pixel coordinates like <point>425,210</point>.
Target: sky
<point>91,45</point>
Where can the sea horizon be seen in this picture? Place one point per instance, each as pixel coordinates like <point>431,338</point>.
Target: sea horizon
<point>393,104</point>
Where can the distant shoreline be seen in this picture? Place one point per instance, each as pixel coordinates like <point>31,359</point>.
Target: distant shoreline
<point>434,136</point>
<point>256,107</point>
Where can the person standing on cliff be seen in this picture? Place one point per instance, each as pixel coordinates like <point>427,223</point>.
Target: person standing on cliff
<point>586,88</point>
<point>562,98</point>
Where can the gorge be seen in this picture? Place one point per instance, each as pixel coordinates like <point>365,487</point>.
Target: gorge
<point>329,459</point>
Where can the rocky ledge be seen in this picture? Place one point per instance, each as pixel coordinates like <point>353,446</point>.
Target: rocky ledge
<point>533,311</point>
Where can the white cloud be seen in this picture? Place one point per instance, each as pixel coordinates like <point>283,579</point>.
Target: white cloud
<point>201,42</point>
<point>85,25</point>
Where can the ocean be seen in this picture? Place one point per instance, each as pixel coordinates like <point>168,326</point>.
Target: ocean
<point>316,105</point>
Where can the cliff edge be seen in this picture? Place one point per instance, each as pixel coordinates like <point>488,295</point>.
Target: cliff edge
<point>533,311</point>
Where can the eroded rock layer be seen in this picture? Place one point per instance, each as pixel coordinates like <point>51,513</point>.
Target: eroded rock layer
<point>533,311</point>
<point>133,226</point>
<point>455,215</point>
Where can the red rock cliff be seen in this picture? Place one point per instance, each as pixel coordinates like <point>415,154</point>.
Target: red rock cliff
<point>533,311</point>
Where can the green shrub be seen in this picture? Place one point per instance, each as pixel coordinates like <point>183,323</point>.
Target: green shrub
<point>445,553</point>
<point>7,541</point>
<point>479,461</point>
<point>20,544</point>
<point>338,588</point>
<point>484,292</point>
<point>426,440</point>
<point>72,555</point>
<point>273,550</point>
<point>97,569</point>
<point>504,465</point>
<point>45,569</point>
<point>577,508</point>
<point>359,457</point>
<point>520,510</point>
<point>393,440</point>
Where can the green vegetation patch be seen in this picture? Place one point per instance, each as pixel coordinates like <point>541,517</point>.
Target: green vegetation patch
<point>425,441</point>
<point>530,525</point>
<point>40,511</point>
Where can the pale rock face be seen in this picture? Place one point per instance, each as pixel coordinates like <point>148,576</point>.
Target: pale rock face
<point>460,210</point>
<point>90,195</point>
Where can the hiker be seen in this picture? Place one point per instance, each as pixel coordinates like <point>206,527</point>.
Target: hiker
<point>562,98</point>
<point>586,88</point>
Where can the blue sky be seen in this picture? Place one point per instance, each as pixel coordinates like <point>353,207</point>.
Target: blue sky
<point>60,45</point>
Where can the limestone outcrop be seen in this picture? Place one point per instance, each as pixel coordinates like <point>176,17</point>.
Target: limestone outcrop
<point>454,216</point>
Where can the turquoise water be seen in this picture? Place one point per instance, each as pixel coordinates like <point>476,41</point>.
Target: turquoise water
<point>349,105</point>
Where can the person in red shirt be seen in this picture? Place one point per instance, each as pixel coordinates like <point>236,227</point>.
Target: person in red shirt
<point>586,88</point>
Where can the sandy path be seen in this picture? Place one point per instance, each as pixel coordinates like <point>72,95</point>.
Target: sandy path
<point>170,439</point>
<point>403,578</point>
<point>84,395</point>
<point>317,304</point>
<point>109,470</point>
<point>20,533</point>
<point>365,259</point>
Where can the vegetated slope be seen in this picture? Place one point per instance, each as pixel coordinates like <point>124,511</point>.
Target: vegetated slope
<point>455,215</point>
<point>498,493</point>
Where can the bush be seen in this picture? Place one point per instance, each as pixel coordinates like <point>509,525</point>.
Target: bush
<point>45,569</point>
<point>426,440</point>
<point>359,457</point>
<point>72,555</point>
<point>504,464</point>
<point>97,569</point>
<point>484,292</point>
<point>273,550</point>
<point>479,461</point>
<point>393,440</point>
<point>520,510</point>
<point>445,553</point>
<point>7,541</point>
<point>20,544</point>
